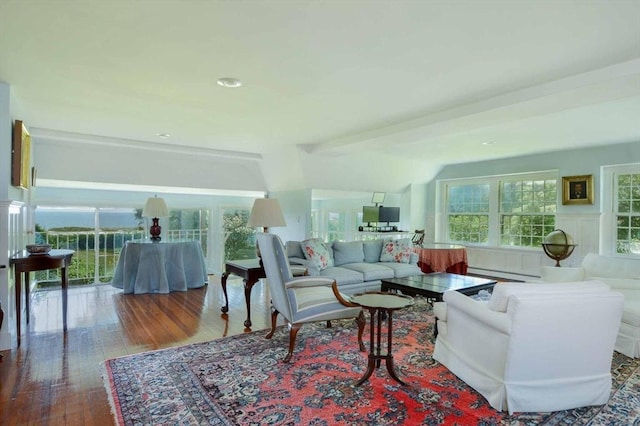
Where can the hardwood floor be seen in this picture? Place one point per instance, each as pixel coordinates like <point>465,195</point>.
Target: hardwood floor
<point>55,378</point>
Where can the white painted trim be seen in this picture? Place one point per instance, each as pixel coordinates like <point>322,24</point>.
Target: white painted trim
<point>57,183</point>
<point>60,137</point>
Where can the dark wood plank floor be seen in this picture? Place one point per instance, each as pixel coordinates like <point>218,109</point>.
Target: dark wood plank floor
<point>55,379</point>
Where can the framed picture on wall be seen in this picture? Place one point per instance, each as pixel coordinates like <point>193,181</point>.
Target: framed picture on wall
<point>20,156</point>
<point>577,189</point>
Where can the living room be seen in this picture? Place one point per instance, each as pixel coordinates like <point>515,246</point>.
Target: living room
<point>331,109</point>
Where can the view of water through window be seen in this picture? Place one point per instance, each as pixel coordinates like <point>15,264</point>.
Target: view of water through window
<point>98,235</point>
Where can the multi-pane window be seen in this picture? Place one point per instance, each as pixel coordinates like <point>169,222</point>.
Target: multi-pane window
<point>468,213</point>
<point>527,211</point>
<point>239,239</point>
<point>516,210</point>
<point>627,211</point>
<point>336,226</point>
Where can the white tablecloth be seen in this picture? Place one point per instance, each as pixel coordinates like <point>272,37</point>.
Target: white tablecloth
<point>148,267</point>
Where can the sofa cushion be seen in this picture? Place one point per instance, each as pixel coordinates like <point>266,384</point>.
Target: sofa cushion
<point>347,252</point>
<point>372,250</point>
<point>396,251</point>
<point>502,292</point>
<point>294,249</point>
<point>316,251</point>
<point>342,275</point>
<point>402,269</point>
<point>371,271</point>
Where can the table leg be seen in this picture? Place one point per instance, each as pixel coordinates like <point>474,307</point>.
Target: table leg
<point>18,289</point>
<point>223,281</point>
<point>435,323</point>
<point>375,355</point>
<point>378,357</point>
<point>248,285</point>
<point>371,361</point>
<point>65,288</point>
<point>27,290</point>
<point>389,358</point>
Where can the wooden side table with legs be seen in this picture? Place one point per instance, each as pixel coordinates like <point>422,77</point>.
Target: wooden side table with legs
<point>250,270</point>
<point>378,304</point>
<point>24,263</point>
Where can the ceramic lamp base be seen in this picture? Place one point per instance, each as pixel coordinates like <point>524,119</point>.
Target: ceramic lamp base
<point>155,230</point>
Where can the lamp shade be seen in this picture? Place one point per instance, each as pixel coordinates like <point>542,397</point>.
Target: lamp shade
<point>155,207</point>
<point>266,212</point>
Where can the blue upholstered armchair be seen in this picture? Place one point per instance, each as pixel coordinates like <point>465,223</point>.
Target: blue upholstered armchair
<point>302,299</point>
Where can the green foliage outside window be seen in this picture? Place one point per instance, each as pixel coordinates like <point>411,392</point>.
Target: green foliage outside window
<point>527,210</point>
<point>239,238</point>
<point>628,214</point>
<point>524,208</point>
<point>336,226</point>
<point>469,228</point>
<point>468,208</point>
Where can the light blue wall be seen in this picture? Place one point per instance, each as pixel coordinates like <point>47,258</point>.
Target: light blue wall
<point>586,161</point>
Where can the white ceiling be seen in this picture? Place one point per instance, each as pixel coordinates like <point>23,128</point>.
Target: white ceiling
<point>427,81</point>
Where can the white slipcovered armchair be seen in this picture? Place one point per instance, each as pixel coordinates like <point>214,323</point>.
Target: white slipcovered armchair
<point>532,347</point>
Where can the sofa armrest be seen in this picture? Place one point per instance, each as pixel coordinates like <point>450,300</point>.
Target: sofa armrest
<point>477,311</point>
<point>312,268</point>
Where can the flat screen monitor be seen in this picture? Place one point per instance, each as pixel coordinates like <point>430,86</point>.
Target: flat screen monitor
<point>370,214</point>
<point>389,214</point>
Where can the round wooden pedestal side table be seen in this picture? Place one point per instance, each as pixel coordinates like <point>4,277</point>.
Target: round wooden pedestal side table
<point>380,304</point>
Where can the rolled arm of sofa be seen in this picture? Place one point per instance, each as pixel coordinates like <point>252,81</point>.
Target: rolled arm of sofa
<point>312,268</point>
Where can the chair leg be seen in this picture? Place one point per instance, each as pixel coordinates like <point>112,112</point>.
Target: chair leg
<point>274,317</point>
<point>361,323</point>
<point>293,332</point>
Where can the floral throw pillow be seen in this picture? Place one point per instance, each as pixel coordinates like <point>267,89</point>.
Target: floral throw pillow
<point>316,251</point>
<point>398,251</point>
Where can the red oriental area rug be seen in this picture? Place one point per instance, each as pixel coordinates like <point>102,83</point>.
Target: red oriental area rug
<point>241,380</point>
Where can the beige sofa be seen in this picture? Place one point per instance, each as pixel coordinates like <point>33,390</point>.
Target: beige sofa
<point>623,276</point>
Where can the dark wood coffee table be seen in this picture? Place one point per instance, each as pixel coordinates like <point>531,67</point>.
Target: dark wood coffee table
<point>434,285</point>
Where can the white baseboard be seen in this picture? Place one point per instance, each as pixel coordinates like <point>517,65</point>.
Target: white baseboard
<point>510,276</point>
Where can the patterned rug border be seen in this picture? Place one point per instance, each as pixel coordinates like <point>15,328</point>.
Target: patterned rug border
<point>623,404</point>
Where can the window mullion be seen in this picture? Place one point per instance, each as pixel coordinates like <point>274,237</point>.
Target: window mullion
<point>494,212</point>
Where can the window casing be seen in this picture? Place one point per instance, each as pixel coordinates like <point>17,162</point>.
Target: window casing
<point>627,212</point>
<point>514,210</point>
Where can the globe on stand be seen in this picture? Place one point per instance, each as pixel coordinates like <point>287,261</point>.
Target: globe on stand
<point>558,245</point>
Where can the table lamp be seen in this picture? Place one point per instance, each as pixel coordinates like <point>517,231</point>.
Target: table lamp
<point>265,213</point>
<point>155,208</point>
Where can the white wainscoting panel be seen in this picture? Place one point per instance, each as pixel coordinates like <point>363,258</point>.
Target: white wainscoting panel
<point>585,231</point>
<point>507,263</point>
<point>11,225</point>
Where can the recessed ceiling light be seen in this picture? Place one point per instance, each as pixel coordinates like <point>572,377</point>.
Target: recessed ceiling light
<point>229,82</point>
<point>487,143</point>
<point>163,135</point>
